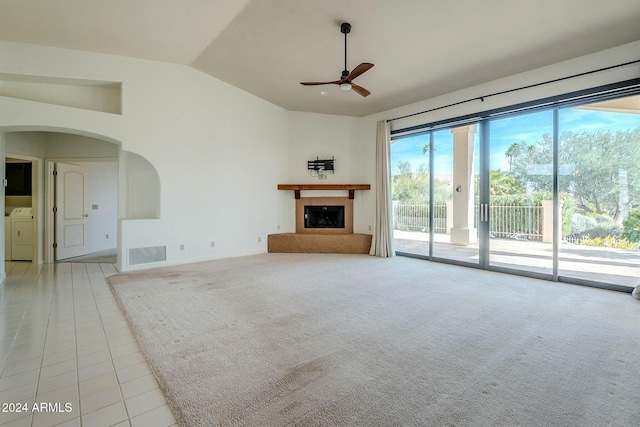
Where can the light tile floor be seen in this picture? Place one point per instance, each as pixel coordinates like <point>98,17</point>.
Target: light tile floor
<point>64,341</point>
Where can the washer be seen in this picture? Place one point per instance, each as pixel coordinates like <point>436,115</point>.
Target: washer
<point>7,237</point>
<point>22,234</point>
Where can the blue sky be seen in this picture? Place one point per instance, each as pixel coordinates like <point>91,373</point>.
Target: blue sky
<point>527,128</point>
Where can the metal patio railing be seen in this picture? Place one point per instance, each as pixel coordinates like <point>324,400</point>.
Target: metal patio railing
<point>513,222</point>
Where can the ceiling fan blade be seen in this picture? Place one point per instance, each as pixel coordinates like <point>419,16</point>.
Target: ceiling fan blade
<point>360,90</point>
<point>320,83</point>
<point>360,69</point>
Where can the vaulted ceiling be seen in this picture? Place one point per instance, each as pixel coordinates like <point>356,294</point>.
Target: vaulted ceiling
<point>420,48</point>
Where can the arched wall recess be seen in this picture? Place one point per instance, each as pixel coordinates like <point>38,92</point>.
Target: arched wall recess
<point>141,184</point>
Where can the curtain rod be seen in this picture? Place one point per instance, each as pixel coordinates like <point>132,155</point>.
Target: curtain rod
<point>482,98</point>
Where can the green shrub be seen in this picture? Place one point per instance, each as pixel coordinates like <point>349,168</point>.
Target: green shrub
<point>595,226</point>
<point>609,242</point>
<point>631,230</point>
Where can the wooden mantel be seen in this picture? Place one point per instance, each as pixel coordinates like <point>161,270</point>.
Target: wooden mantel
<point>349,187</point>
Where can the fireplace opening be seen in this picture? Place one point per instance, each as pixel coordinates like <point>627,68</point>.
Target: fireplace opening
<point>324,216</point>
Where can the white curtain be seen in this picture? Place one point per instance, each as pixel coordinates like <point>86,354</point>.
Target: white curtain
<point>382,242</point>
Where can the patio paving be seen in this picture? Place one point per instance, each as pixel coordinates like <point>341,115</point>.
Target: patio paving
<point>596,264</point>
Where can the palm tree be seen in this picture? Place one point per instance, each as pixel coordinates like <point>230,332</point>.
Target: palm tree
<point>511,153</point>
<point>502,184</point>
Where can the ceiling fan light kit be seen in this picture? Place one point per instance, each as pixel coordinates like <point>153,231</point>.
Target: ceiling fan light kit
<point>346,78</point>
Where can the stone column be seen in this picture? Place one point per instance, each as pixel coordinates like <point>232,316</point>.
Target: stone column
<point>463,232</point>
<point>449,216</point>
<point>547,220</point>
<point>395,213</point>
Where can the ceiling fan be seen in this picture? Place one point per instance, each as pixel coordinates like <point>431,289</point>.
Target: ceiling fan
<point>346,79</point>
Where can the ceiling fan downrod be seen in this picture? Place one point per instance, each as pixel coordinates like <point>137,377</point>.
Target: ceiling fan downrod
<point>345,28</point>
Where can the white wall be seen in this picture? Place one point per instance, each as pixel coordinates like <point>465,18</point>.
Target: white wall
<point>68,146</point>
<point>26,144</point>
<point>618,55</point>
<point>320,135</point>
<point>141,184</point>
<point>219,152</point>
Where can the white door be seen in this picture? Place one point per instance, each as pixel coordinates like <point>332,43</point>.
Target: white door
<point>70,217</point>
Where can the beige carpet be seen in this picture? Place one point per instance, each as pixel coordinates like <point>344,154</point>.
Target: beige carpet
<point>354,340</point>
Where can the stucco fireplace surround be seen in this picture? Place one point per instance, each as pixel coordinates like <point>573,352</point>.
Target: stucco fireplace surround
<point>330,236</point>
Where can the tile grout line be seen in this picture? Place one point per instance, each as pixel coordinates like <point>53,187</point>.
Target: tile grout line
<point>75,330</point>
<point>34,288</point>
<point>13,340</point>
<point>108,289</point>
<point>54,284</point>
<point>115,371</point>
<point>44,344</point>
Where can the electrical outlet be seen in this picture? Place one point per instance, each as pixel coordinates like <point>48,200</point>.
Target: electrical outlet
<point>278,226</point>
<point>106,236</point>
<point>369,228</point>
<point>259,239</point>
<point>213,244</point>
<point>182,247</point>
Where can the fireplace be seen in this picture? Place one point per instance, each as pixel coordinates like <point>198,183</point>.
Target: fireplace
<point>323,224</point>
<point>324,216</point>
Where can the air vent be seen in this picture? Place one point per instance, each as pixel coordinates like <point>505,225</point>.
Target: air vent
<point>139,256</point>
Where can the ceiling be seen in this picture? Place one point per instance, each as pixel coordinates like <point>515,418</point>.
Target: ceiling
<point>420,48</point>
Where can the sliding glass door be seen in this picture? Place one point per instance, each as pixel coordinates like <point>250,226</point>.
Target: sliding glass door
<point>455,161</point>
<point>410,184</point>
<point>554,193</point>
<point>599,183</point>
<point>435,213</point>
<point>521,192</point>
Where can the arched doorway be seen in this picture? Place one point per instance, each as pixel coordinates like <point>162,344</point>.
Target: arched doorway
<point>45,147</point>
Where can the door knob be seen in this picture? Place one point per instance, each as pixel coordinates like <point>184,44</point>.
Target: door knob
<point>86,215</point>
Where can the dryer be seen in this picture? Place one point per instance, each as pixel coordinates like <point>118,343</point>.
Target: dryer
<point>7,237</point>
<point>22,234</point>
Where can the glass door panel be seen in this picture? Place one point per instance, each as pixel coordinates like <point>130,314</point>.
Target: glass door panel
<point>521,192</point>
<point>410,194</point>
<point>599,155</point>
<point>455,154</point>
